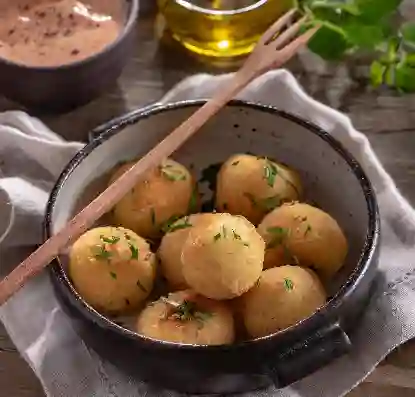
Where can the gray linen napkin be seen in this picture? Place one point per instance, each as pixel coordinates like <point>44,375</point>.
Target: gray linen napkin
<point>44,335</point>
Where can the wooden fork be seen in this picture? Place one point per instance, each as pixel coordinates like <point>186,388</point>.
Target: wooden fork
<point>275,47</point>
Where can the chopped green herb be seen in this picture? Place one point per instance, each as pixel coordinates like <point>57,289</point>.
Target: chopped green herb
<point>307,230</point>
<point>180,224</point>
<point>153,216</point>
<point>172,173</point>
<point>265,204</point>
<point>141,286</point>
<point>269,203</point>
<point>217,236</point>
<point>100,252</point>
<point>236,236</point>
<point>166,226</point>
<point>134,251</point>
<point>187,311</point>
<point>235,162</point>
<point>193,201</point>
<point>127,236</point>
<point>113,275</point>
<point>270,172</point>
<point>279,235</point>
<point>110,240</point>
<point>288,284</point>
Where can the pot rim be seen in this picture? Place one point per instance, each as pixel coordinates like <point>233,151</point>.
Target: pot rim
<point>114,126</point>
<point>129,24</point>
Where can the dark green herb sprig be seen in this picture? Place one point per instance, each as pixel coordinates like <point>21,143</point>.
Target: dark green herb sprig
<point>288,284</point>
<point>270,172</point>
<point>192,208</point>
<point>134,251</point>
<point>224,233</point>
<point>264,204</point>
<point>101,252</point>
<point>176,224</point>
<point>279,234</point>
<point>187,311</point>
<point>141,286</point>
<point>349,26</point>
<point>110,240</point>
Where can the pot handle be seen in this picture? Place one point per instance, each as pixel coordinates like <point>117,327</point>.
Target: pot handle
<point>308,356</point>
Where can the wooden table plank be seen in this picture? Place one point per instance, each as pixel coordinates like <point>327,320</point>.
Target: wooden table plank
<point>387,118</point>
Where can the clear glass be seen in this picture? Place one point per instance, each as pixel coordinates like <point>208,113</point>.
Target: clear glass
<point>220,28</point>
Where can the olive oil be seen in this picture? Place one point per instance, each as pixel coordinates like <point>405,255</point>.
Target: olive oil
<point>220,28</point>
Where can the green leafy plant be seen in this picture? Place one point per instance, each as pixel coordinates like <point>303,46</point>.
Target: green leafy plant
<point>349,26</point>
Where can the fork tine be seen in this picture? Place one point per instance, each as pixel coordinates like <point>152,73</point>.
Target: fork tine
<point>288,34</point>
<point>276,26</point>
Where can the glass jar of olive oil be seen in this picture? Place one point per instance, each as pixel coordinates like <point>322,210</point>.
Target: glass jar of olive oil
<point>220,28</point>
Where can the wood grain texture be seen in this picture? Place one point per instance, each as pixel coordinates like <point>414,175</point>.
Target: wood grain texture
<point>387,118</point>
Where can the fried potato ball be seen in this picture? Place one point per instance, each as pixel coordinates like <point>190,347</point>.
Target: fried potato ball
<point>283,296</point>
<point>186,317</point>
<point>222,257</point>
<point>166,192</point>
<point>299,233</point>
<point>170,250</point>
<point>253,186</point>
<point>112,268</point>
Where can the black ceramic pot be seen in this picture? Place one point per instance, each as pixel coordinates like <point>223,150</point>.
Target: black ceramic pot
<point>282,358</point>
<point>65,87</point>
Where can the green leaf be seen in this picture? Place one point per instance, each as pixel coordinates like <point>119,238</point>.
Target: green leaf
<point>364,36</point>
<point>410,60</point>
<point>377,73</point>
<point>408,32</point>
<point>329,43</point>
<point>376,10</point>
<point>338,6</point>
<point>405,77</point>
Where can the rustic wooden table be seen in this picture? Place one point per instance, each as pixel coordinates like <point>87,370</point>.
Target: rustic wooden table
<point>387,118</point>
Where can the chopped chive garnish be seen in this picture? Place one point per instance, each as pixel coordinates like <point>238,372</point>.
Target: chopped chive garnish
<point>134,251</point>
<point>288,284</point>
<point>172,173</point>
<point>100,252</point>
<point>141,286</point>
<point>270,172</point>
<point>113,275</point>
<point>153,216</point>
<point>307,230</point>
<point>110,240</point>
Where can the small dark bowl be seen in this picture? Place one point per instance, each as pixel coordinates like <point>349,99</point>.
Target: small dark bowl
<point>65,87</point>
<point>331,177</point>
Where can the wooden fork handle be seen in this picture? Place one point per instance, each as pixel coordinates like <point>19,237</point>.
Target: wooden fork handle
<point>40,258</point>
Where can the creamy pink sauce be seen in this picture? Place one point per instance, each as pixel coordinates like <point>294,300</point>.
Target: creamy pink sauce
<point>58,32</point>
